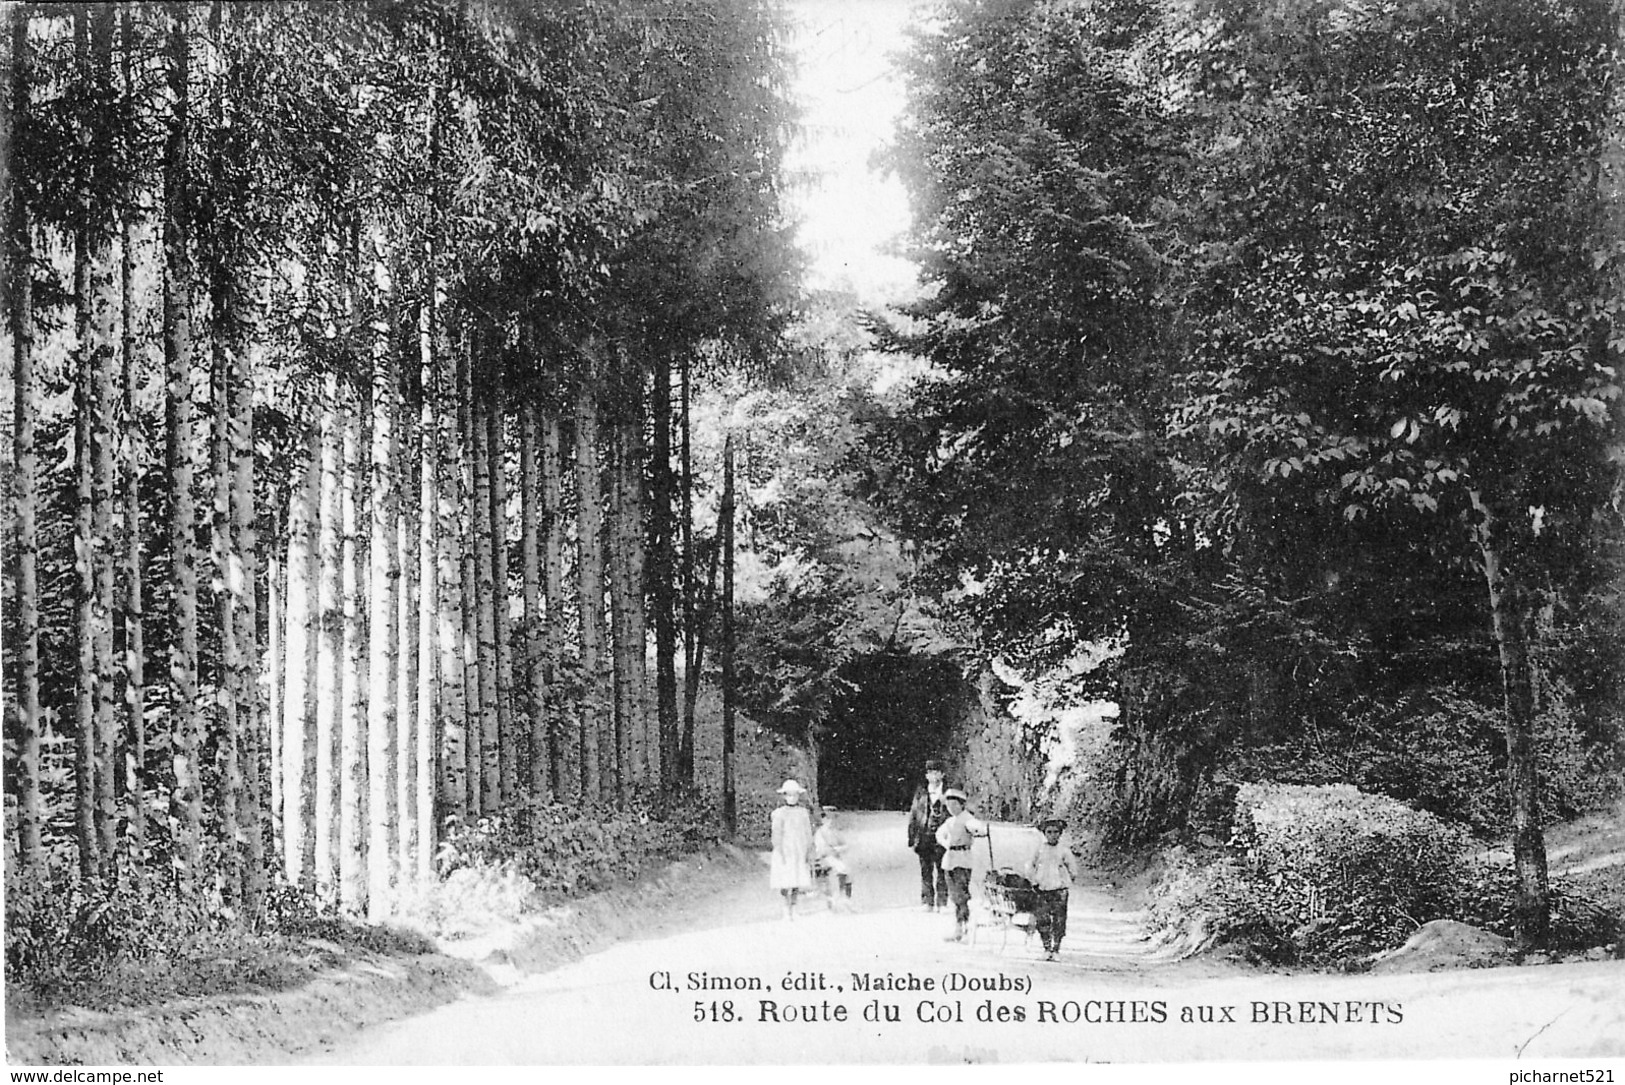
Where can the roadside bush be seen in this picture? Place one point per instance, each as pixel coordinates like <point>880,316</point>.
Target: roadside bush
<point>134,942</point>
<point>565,851</point>
<point>1349,872</point>
<point>1206,900</point>
<point>61,932</point>
<point>1315,875</point>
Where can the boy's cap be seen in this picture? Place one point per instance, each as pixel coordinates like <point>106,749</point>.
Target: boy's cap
<point>1045,823</point>
<point>955,793</point>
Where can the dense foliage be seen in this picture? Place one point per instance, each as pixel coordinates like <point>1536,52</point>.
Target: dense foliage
<point>1282,342</point>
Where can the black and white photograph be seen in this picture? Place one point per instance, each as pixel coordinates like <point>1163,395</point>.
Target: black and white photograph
<point>813,537</point>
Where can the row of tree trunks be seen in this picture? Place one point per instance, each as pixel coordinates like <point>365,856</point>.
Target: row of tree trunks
<point>353,761</point>
<point>305,731</point>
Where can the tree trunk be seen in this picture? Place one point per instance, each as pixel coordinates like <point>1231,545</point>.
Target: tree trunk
<point>590,587</point>
<point>454,792</point>
<point>84,709</point>
<point>234,322</point>
<point>702,624</point>
<point>383,582</point>
<point>1611,192</point>
<point>645,745</point>
<point>298,693</point>
<point>134,459</point>
<point>235,319</point>
<point>1510,613</point>
<point>406,677</point>
<point>563,777</point>
<point>227,771</point>
<point>662,570</point>
<point>620,652</point>
<point>352,767</point>
<point>692,640</point>
<point>186,798</point>
<point>1611,175</point>
<point>428,602</point>
<point>484,532</point>
<point>468,512</point>
<point>276,663</point>
<point>330,676</point>
<point>93,550</point>
<point>242,320</point>
<point>20,309</point>
<point>730,817</point>
<point>105,438</point>
<point>540,753</point>
<point>497,467</point>
<point>430,714</point>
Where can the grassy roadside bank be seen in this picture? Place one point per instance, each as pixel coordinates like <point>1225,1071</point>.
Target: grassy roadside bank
<point>357,987</point>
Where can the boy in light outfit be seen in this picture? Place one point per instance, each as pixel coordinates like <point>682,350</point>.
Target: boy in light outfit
<point>1051,871</point>
<point>955,837</point>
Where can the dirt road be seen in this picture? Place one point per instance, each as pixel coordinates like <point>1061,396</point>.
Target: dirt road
<point>726,981</point>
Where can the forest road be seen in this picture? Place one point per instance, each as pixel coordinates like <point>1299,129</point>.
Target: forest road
<point>1111,997</point>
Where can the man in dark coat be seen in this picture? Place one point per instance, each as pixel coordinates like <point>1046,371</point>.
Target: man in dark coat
<point>925,816</point>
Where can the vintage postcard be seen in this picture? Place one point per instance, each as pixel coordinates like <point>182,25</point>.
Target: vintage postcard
<point>814,538</point>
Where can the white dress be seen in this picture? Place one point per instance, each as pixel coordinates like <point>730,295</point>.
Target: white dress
<point>791,865</point>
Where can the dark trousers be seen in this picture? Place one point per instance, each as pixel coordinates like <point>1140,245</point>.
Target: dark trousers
<point>1049,911</point>
<point>933,881</point>
<point>959,891</point>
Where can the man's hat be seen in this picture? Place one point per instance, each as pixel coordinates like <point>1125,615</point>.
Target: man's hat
<point>934,766</point>
<point>1044,823</point>
<point>789,786</point>
<point>955,793</point>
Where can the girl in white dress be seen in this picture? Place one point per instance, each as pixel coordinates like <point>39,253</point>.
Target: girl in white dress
<point>790,870</point>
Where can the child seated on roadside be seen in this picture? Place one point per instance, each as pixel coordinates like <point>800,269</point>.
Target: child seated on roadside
<point>829,847</point>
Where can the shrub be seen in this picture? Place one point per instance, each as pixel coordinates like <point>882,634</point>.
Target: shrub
<point>564,851</point>
<point>134,942</point>
<point>1350,872</point>
<point>1206,901</point>
<point>62,933</point>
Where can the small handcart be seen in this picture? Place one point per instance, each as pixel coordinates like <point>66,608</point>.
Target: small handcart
<point>1007,902</point>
